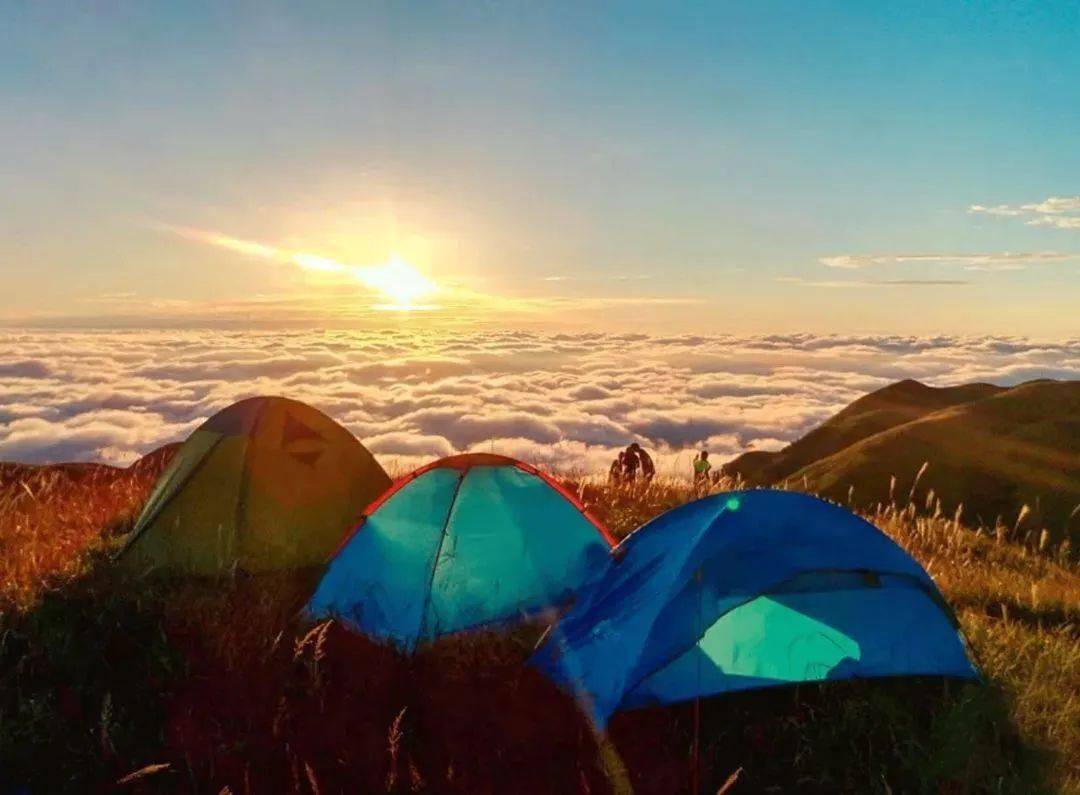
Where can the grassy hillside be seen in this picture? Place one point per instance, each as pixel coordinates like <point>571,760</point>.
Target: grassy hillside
<point>217,686</point>
<point>886,408</point>
<point>995,455</point>
<point>988,449</point>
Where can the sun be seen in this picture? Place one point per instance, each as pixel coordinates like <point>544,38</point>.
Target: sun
<point>399,282</point>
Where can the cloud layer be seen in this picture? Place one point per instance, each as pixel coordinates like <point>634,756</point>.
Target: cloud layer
<point>562,401</point>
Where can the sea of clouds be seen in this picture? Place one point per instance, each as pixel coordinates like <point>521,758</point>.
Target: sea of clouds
<point>565,401</point>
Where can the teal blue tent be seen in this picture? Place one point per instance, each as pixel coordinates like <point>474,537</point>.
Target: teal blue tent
<point>748,590</point>
<point>466,542</point>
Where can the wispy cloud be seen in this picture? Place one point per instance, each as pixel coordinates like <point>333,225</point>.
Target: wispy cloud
<point>1058,212</point>
<point>395,281</point>
<point>623,277</point>
<point>918,282</point>
<point>1054,205</point>
<point>1005,210</point>
<point>106,298</point>
<point>859,283</point>
<point>1062,212</point>
<point>1057,221</point>
<point>998,260</point>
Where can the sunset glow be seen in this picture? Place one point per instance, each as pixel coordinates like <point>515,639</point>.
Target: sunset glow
<point>399,283</point>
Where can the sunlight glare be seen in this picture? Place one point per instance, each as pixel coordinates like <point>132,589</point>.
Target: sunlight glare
<point>313,262</point>
<point>395,280</point>
<point>399,281</point>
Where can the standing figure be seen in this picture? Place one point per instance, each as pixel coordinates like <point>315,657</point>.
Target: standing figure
<point>648,468</point>
<point>618,469</point>
<point>631,464</point>
<point>701,468</point>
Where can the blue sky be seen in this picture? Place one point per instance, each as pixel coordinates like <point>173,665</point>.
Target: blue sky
<point>657,165</point>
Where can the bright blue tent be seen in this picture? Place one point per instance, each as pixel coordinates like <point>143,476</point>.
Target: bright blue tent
<point>746,590</point>
<point>466,542</point>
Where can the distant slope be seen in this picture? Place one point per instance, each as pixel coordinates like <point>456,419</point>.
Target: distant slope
<point>878,411</point>
<point>151,465</point>
<point>1015,447</point>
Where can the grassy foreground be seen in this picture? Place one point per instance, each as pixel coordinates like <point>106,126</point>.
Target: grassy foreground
<point>110,684</point>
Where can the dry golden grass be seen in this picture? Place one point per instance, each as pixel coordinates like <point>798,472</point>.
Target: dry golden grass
<point>1018,604</point>
<point>53,518</point>
<point>1020,611</point>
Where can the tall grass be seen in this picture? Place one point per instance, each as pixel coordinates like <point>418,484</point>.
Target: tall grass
<point>199,686</point>
<point>52,519</point>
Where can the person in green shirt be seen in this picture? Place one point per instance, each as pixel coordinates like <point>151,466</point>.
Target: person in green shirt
<point>702,467</point>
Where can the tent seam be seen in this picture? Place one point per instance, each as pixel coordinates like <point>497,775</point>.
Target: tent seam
<point>245,479</point>
<point>438,553</point>
<point>394,487</point>
<point>689,553</point>
<point>137,534</point>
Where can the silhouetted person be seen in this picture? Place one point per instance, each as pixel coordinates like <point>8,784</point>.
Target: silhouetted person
<point>631,464</point>
<point>648,468</point>
<point>618,469</point>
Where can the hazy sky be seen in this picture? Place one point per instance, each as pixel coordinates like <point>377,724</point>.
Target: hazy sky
<point>729,167</point>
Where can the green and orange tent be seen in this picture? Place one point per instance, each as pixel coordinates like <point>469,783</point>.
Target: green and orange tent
<point>266,484</point>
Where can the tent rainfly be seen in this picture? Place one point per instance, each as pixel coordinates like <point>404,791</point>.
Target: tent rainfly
<point>749,590</point>
<point>468,541</point>
<point>265,484</point>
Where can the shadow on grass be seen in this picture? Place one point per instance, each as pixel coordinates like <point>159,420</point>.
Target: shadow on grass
<point>899,735</point>
<point>208,684</point>
<point>194,686</point>
<point>84,680</point>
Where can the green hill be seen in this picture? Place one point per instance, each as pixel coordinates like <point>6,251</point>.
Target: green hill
<point>991,449</point>
<point>878,411</point>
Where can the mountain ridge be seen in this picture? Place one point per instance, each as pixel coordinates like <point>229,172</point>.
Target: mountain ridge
<point>988,451</point>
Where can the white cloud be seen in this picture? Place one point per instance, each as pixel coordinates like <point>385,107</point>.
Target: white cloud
<point>1057,221</point>
<point>567,401</point>
<point>1058,212</point>
<point>987,260</point>
<point>1056,204</point>
<point>402,443</point>
<point>848,284</point>
<point>997,209</point>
